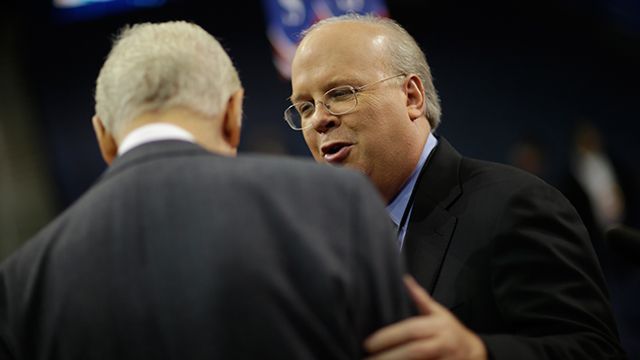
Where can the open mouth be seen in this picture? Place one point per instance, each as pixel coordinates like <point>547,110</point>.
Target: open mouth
<point>336,152</point>
<point>332,149</point>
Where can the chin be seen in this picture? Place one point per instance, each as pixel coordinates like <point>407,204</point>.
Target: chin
<point>356,168</point>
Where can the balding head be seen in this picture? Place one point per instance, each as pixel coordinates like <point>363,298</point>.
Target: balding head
<point>402,54</point>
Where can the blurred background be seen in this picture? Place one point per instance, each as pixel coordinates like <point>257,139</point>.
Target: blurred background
<point>551,86</point>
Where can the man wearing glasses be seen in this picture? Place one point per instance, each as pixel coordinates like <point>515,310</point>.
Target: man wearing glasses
<point>505,257</point>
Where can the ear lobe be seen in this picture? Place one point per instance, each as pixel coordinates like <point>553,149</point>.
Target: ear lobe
<point>232,120</point>
<point>106,142</point>
<point>415,97</point>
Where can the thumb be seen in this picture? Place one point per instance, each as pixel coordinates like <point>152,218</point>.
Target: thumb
<point>425,304</point>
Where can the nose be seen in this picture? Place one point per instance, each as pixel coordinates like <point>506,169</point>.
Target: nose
<point>323,120</point>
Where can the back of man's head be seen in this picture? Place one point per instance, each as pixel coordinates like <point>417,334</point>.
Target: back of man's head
<point>155,67</point>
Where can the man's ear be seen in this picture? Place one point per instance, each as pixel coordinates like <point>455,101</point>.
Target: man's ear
<point>106,142</point>
<point>232,121</point>
<point>415,96</point>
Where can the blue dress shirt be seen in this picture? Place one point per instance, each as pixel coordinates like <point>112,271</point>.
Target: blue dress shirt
<point>399,205</point>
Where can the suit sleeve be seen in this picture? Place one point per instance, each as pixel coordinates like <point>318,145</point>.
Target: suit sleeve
<point>380,297</point>
<point>548,284</point>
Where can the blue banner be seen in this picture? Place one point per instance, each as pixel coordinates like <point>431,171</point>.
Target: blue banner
<point>286,19</point>
<point>79,10</point>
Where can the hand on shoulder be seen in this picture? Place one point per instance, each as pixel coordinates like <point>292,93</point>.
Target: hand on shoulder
<point>434,334</point>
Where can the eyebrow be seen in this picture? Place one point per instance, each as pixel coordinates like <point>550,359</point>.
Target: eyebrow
<point>328,86</point>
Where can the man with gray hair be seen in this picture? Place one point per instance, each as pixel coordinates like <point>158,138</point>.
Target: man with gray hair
<point>181,251</point>
<point>506,259</point>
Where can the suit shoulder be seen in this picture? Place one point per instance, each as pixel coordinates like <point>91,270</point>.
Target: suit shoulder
<point>23,265</point>
<point>492,173</point>
<point>507,182</point>
<point>299,168</point>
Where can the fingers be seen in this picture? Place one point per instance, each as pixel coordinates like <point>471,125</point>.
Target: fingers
<point>422,350</point>
<point>415,328</point>
<point>434,334</point>
<point>425,304</point>
<point>399,333</point>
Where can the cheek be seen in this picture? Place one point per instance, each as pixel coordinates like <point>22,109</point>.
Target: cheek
<point>382,128</point>
<point>312,144</point>
<point>379,110</point>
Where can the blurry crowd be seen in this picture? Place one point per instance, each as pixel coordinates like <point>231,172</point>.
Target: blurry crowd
<point>604,190</point>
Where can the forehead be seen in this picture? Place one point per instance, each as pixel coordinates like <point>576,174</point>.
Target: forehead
<point>339,52</point>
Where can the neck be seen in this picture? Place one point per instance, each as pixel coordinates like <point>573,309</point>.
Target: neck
<point>415,144</point>
<point>204,129</point>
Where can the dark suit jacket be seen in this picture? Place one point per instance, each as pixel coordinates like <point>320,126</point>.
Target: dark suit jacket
<point>510,257</point>
<point>177,253</point>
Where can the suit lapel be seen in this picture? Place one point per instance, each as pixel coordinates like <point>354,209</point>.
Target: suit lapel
<point>431,226</point>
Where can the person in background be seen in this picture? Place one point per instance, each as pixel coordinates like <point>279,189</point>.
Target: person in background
<point>507,263</point>
<point>592,184</point>
<point>601,189</point>
<point>182,251</point>
<point>529,154</point>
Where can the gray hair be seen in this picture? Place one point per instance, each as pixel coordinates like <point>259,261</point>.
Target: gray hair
<point>405,56</point>
<point>154,67</point>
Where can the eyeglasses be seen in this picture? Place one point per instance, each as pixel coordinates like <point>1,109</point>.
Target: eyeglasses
<point>337,101</point>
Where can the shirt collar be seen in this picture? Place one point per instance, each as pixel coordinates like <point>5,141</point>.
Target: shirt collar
<point>153,132</point>
<point>398,206</point>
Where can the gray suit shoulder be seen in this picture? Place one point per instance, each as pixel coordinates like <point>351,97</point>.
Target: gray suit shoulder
<point>300,169</point>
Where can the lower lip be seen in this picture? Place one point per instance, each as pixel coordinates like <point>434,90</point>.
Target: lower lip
<point>340,156</point>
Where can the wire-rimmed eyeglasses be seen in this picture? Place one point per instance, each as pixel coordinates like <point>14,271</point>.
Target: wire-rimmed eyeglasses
<point>337,101</point>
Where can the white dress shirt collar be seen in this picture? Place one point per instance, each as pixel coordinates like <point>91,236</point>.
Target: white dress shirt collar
<point>153,132</point>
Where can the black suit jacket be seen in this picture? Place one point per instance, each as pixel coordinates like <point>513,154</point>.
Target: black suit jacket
<point>177,253</point>
<point>511,259</point>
